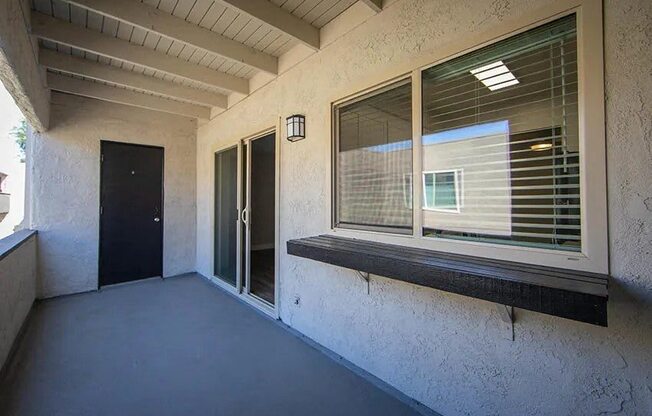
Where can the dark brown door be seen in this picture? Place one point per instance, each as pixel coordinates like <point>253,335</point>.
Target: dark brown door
<point>131,212</point>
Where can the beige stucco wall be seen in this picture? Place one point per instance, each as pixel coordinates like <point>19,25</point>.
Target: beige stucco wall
<point>65,172</point>
<point>448,351</point>
<point>17,291</point>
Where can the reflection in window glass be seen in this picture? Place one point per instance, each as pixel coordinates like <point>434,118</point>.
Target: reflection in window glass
<point>374,161</point>
<point>506,116</point>
<point>442,190</point>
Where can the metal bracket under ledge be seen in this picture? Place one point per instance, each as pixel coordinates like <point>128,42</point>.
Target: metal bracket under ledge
<point>364,276</point>
<point>506,314</point>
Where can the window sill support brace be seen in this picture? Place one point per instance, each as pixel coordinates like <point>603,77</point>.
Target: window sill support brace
<point>506,314</point>
<point>364,276</point>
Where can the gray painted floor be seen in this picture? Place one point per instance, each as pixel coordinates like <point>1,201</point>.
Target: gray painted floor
<point>178,346</point>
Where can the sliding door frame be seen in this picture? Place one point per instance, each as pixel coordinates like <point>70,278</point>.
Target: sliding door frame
<point>246,290</point>
<point>241,290</point>
<point>217,279</point>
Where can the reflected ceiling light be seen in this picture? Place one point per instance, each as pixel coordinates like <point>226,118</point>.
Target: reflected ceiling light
<point>495,76</point>
<point>541,146</point>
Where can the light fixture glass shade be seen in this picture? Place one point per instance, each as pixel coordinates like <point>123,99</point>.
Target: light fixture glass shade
<point>296,127</point>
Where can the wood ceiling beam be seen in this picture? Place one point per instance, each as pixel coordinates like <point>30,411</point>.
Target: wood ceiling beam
<point>375,5</point>
<point>109,73</point>
<point>55,30</point>
<point>103,92</point>
<point>273,15</point>
<point>154,20</point>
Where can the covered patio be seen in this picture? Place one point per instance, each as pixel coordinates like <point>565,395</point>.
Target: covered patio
<point>316,207</point>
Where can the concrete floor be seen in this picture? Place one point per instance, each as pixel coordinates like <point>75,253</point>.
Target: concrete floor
<point>178,346</point>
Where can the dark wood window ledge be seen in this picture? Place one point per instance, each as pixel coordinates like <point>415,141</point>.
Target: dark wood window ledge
<point>580,296</point>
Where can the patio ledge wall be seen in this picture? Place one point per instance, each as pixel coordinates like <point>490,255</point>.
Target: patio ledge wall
<point>451,352</point>
<point>65,187</point>
<point>17,286</point>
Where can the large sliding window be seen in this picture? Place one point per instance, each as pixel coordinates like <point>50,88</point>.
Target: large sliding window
<point>374,160</point>
<point>507,115</point>
<point>499,150</point>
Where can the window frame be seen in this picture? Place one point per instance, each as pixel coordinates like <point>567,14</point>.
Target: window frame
<point>593,256</point>
<point>335,148</point>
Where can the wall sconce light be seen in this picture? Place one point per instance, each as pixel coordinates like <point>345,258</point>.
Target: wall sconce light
<point>296,125</point>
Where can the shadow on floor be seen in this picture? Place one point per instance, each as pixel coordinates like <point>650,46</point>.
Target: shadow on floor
<point>178,346</point>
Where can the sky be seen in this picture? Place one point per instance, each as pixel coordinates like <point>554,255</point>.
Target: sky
<point>463,133</point>
<point>10,164</point>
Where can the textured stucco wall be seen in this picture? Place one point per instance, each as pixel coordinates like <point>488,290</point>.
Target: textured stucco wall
<point>17,292</point>
<point>448,351</point>
<point>65,177</point>
<point>19,70</point>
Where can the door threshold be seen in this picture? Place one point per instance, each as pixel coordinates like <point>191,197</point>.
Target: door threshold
<point>249,299</point>
<point>131,282</point>
<point>260,304</point>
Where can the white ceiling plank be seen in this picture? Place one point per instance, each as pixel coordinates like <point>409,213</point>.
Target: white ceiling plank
<point>212,16</point>
<point>176,28</point>
<point>200,10</point>
<point>123,96</point>
<point>237,25</point>
<point>138,36</point>
<point>110,26</point>
<point>49,28</point>
<point>289,5</point>
<point>60,10</point>
<point>278,18</point>
<point>43,6</point>
<point>331,14</point>
<point>319,10</point>
<point>114,75</point>
<point>305,7</point>
<point>94,21</point>
<point>183,8</point>
<point>225,19</point>
<point>78,16</point>
<point>375,5</point>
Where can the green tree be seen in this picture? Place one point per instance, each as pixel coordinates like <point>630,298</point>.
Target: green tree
<point>19,133</point>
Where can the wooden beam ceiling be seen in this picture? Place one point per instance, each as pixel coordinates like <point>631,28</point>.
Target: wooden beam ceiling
<point>50,28</point>
<point>170,97</point>
<point>269,13</point>
<point>109,73</point>
<point>158,21</point>
<point>123,96</point>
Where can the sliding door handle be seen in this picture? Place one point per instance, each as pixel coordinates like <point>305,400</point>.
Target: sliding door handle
<point>243,215</point>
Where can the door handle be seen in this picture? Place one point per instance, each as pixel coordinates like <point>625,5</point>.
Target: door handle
<point>243,215</point>
<point>157,219</point>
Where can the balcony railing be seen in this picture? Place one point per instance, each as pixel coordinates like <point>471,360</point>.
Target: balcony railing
<point>17,286</point>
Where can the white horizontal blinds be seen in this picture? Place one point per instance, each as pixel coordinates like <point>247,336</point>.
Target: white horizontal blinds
<point>374,160</point>
<point>506,115</point>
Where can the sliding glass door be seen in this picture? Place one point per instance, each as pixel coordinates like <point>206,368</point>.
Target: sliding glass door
<point>226,215</point>
<point>245,218</point>
<point>261,217</point>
